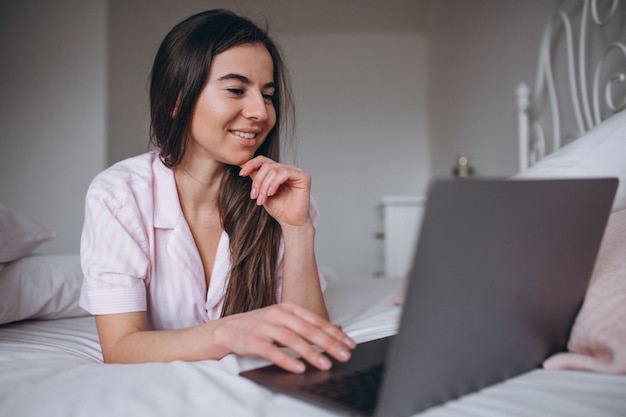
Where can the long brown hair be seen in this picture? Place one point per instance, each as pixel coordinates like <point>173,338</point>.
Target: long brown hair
<point>178,75</point>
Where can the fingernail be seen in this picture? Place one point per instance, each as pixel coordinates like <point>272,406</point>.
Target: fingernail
<point>343,354</point>
<point>324,363</point>
<point>253,193</point>
<point>298,367</point>
<point>241,172</point>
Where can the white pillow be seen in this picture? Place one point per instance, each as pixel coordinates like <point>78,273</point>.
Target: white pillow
<point>19,235</point>
<point>601,152</point>
<point>41,287</point>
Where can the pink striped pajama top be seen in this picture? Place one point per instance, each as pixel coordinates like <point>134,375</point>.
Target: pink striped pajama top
<point>138,253</point>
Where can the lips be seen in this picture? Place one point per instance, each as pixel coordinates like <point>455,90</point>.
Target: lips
<point>245,135</point>
<point>245,138</point>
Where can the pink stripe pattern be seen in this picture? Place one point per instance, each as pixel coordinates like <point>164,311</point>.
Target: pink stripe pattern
<point>138,253</point>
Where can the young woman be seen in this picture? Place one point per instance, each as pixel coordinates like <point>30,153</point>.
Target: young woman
<point>206,246</point>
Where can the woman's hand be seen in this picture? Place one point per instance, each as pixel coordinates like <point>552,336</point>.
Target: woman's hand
<point>284,190</point>
<point>126,338</point>
<point>261,332</point>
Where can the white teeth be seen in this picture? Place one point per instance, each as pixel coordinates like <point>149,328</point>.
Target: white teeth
<point>245,135</point>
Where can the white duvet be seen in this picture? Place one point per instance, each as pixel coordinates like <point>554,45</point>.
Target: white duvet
<point>54,368</point>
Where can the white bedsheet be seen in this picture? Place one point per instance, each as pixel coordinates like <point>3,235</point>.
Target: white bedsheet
<point>53,368</point>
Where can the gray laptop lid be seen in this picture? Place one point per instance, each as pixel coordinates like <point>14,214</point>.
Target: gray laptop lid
<point>500,271</point>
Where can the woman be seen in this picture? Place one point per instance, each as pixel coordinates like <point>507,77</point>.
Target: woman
<point>206,246</point>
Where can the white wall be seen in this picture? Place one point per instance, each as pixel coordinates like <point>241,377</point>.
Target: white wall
<point>480,51</point>
<point>52,110</point>
<point>362,133</point>
<point>381,85</point>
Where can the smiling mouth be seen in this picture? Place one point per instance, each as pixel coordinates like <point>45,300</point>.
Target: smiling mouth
<point>244,135</point>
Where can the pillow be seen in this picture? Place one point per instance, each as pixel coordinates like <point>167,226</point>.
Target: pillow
<point>598,153</point>
<point>41,287</point>
<point>598,339</point>
<point>19,235</point>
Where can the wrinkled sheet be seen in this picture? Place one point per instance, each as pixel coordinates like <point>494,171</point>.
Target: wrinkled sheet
<point>54,368</point>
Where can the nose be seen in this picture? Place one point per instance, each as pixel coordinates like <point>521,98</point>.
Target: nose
<point>256,108</point>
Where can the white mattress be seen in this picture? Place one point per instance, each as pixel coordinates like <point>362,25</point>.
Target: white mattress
<point>54,368</point>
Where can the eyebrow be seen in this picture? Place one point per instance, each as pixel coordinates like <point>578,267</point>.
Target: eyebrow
<point>243,79</point>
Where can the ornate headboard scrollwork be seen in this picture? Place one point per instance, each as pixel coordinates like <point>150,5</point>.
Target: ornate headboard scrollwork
<point>606,59</point>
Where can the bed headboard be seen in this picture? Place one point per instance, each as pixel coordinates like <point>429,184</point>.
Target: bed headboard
<point>581,74</point>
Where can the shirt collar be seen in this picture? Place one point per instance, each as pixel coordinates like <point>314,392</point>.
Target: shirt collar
<point>167,211</point>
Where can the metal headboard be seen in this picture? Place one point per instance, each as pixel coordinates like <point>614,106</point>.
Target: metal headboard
<point>574,23</point>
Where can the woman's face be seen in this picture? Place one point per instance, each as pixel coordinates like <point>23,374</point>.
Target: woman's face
<point>235,111</point>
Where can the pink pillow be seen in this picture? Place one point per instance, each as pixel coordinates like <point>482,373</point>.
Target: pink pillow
<point>598,339</point>
<point>19,235</point>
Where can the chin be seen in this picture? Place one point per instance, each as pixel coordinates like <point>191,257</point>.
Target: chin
<point>239,161</point>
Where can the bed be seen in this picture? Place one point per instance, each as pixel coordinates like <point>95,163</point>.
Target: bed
<point>53,367</point>
<point>51,363</point>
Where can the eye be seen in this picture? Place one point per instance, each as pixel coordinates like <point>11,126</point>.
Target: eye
<point>236,91</point>
<point>268,97</point>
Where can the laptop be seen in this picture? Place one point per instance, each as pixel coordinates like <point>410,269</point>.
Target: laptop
<point>499,273</point>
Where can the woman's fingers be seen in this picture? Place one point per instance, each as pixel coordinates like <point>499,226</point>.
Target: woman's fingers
<point>332,338</point>
<point>302,333</point>
<point>252,165</point>
<point>260,332</point>
<point>301,347</point>
<point>265,184</point>
<point>283,190</point>
<point>270,351</point>
<point>268,176</point>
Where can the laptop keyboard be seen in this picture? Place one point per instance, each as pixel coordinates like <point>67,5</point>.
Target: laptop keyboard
<point>357,390</point>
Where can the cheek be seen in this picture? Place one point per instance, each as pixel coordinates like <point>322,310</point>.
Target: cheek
<point>208,117</point>
<point>271,117</point>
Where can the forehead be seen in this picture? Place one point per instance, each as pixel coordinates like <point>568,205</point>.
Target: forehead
<point>251,60</point>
